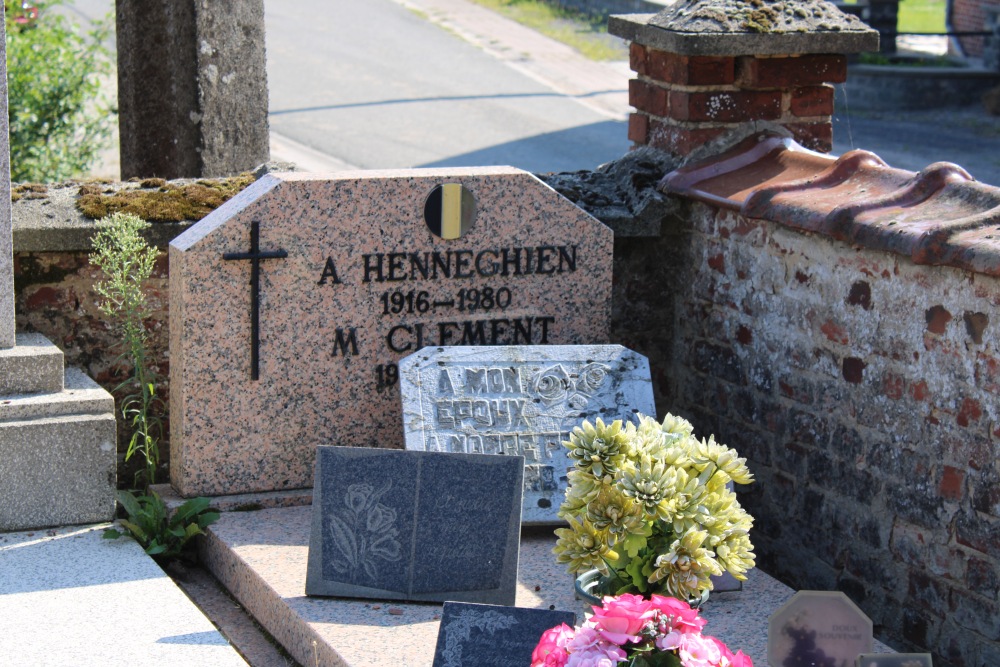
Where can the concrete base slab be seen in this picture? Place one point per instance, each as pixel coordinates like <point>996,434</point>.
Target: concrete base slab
<point>34,364</point>
<point>70,597</point>
<point>239,502</point>
<point>261,558</point>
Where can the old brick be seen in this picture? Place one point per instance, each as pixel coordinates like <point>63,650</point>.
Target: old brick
<point>678,139</point>
<point>719,362</point>
<point>743,335</point>
<point>638,128</point>
<point>727,106</point>
<point>798,389</point>
<point>812,101</point>
<point>893,386</point>
<point>983,578</point>
<point>928,592</point>
<point>814,136</point>
<point>915,626</point>
<point>978,532</point>
<point>637,58</point>
<point>787,72</point>
<point>952,483</point>
<point>975,325</point>
<point>808,428</point>
<point>986,492</point>
<point>853,369</point>
<point>834,332</point>
<point>860,295</point>
<point>969,411</point>
<point>988,372</point>
<point>915,503</point>
<point>647,97</point>
<point>919,391</point>
<point>717,263</point>
<point>975,613</point>
<point>691,70</point>
<point>937,318</point>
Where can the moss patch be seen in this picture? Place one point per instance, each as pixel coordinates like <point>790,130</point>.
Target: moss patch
<point>156,200</point>
<point>28,191</point>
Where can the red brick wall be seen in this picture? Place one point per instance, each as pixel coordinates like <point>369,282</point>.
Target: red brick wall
<point>54,295</point>
<point>969,16</point>
<point>863,389</point>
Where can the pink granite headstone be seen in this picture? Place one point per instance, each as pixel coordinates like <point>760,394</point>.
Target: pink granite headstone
<point>354,271</point>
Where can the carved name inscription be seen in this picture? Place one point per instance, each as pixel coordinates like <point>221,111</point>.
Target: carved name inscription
<point>463,316</point>
<point>520,401</point>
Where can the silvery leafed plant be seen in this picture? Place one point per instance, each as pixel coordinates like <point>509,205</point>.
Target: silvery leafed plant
<point>651,509</point>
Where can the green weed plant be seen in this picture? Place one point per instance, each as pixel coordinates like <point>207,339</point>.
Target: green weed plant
<point>59,117</point>
<point>127,260</point>
<point>160,533</point>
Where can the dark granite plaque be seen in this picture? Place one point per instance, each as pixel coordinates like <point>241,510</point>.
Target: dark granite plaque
<point>492,636</point>
<point>895,660</point>
<point>424,526</point>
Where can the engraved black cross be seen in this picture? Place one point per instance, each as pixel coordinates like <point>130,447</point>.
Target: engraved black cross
<point>255,255</point>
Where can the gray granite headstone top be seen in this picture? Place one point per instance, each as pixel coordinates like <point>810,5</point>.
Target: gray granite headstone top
<point>738,28</point>
<point>6,233</point>
<point>522,400</point>
<point>421,526</point>
<point>491,635</point>
<point>818,627</point>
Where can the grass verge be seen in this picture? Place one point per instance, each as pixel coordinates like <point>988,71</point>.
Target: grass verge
<point>587,34</point>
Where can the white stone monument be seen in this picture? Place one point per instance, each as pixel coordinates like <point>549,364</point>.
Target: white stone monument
<point>57,427</point>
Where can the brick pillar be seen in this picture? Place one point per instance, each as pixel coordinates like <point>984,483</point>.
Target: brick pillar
<point>698,79</point>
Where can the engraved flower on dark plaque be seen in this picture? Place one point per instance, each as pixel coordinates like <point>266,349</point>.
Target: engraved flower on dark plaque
<point>364,532</point>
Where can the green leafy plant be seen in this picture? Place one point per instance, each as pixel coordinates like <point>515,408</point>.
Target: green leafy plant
<point>160,533</point>
<point>649,508</point>
<point>59,116</point>
<point>127,261</point>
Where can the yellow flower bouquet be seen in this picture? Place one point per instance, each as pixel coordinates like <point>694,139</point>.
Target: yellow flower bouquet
<point>651,509</point>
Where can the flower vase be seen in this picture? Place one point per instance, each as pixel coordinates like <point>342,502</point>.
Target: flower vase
<point>591,579</point>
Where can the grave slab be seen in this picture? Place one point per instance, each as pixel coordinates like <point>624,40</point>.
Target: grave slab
<point>344,275</point>
<point>33,365</point>
<point>520,400</point>
<point>261,558</point>
<point>398,525</point>
<point>72,598</point>
<point>486,634</point>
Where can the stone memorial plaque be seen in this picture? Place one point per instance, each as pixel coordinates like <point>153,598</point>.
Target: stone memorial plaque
<point>818,628</point>
<point>492,636</point>
<point>398,525</point>
<point>291,305</point>
<point>520,400</point>
<point>895,660</point>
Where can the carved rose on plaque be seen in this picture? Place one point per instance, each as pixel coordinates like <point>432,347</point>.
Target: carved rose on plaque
<point>552,385</point>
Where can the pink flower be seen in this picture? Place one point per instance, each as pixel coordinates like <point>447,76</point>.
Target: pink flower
<point>669,641</point>
<point>730,660</point>
<point>698,651</point>
<point>585,639</point>
<point>621,619</point>
<point>551,649</point>
<point>602,655</point>
<point>683,617</point>
<point>742,660</point>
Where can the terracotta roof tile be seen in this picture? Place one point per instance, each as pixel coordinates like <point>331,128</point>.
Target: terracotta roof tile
<point>938,216</point>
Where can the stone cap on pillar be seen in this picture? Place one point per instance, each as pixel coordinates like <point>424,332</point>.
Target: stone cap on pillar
<point>746,28</point>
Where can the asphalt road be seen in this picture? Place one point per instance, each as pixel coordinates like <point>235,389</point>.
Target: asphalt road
<point>377,86</point>
<point>371,84</point>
